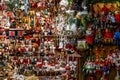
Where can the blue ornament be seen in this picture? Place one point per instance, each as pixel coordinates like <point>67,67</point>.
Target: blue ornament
<point>117,38</point>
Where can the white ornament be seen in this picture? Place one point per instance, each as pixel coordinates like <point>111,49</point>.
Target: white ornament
<point>61,45</point>
<point>7,24</point>
<point>70,62</point>
<point>73,27</point>
<point>22,8</point>
<point>70,12</point>
<point>38,14</point>
<point>68,27</point>
<point>64,3</point>
<point>75,62</point>
<point>16,5</point>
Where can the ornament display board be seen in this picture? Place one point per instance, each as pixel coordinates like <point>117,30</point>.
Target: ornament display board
<point>33,46</point>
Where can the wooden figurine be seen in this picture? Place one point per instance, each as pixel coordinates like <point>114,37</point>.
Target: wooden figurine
<point>89,36</point>
<point>108,36</point>
<point>31,22</point>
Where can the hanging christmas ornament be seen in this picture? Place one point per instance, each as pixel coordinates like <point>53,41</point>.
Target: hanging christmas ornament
<point>116,38</point>
<point>22,7</point>
<point>64,3</point>
<point>7,25</point>
<point>26,3</point>
<point>67,67</point>
<point>73,27</point>
<point>9,13</point>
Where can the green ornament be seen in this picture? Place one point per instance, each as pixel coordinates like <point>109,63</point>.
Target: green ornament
<point>32,23</point>
<point>70,1</point>
<point>13,24</point>
<point>45,12</point>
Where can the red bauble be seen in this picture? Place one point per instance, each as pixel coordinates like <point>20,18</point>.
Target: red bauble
<point>9,13</point>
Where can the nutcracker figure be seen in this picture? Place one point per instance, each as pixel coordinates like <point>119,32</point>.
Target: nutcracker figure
<point>97,63</point>
<point>104,68</point>
<point>95,22</point>
<point>117,38</point>
<point>108,36</point>
<point>98,37</point>
<point>91,8</point>
<point>108,20</point>
<point>103,20</point>
<point>117,17</point>
<point>113,21</point>
<point>32,22</point>
<point>31,19</point>
<point>89,37</point>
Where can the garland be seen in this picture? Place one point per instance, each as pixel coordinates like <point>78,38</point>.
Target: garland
<point>96,1</point>
<point>88,2</point>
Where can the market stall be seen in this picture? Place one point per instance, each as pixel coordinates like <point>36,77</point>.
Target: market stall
<point>60,39</point>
